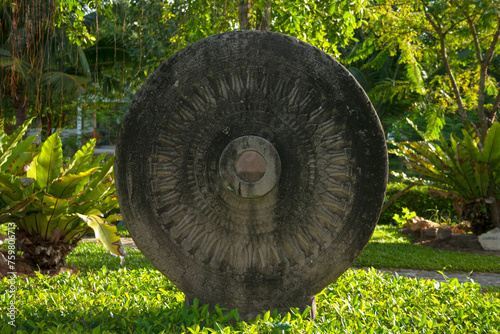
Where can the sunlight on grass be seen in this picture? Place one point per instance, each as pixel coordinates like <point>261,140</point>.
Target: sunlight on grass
<point>389,249</point>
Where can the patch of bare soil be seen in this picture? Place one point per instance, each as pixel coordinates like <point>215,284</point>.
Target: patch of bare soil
<point>23,270</point>
<point>440,244</point>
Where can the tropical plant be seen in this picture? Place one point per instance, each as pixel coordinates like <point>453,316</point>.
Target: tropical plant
<point>55,203</point>
<point>470,173</point>
<point>403,218</point>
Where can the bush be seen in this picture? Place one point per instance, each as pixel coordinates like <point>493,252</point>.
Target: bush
<point>466,168</point>
<point>416,199</point>
<point>53,202</point>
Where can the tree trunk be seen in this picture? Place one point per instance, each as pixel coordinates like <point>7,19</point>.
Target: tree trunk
<point>43,254</point>
<point>264,17</point>
<point>494,208</point>
<point>19,102</point>
<point>244,15</point>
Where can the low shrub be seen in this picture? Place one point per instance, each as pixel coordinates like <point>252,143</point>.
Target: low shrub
<point>416,199</point>
<point>53,202</point>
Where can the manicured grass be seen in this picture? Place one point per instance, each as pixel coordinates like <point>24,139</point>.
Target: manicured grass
<point>389,249</point>
<point>105,298</point>
<point>122,230</point>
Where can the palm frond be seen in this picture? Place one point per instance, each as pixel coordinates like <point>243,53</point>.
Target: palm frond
<point>63,81</point>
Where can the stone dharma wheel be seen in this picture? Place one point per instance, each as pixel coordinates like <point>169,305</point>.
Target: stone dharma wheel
<point>251,169</point>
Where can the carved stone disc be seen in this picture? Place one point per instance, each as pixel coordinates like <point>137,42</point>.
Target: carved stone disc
<point>251,169</point>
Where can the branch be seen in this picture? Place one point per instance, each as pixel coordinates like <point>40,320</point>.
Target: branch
<point>475,38</point>
<point>496,105</point>
<point>494,43</point>
<point>456,89</point>
<point>396,196</point>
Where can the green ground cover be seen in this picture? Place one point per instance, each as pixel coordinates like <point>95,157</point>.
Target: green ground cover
<point>105,298</point>
<point>389,249</point>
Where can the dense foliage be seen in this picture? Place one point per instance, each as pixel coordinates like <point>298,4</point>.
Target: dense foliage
<point>466,169</point>
<point>447,54</point>
<point>416,199</point>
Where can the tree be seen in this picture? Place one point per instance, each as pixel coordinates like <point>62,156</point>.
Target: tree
<point>448,51</point>
<point>447,48</point>
<point>327,25</point>
<point>38,67</point>
<point>22,25</point>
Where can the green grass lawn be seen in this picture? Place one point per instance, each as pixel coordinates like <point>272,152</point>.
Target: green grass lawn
<point>389,249</point>
<point>105,298</point>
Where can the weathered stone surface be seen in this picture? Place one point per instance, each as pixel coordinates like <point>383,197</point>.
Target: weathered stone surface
<point>490,240</point>
<point>238,243</point>
<point>429,232</point>
<point>443,234</point>
<point>466,241</point>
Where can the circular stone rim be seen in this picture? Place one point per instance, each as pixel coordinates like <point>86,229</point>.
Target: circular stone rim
<point>230,177</point>
<point>135,146</point>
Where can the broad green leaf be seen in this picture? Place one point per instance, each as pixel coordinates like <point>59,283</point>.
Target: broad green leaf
<point>8,143</point>
<point>102,185</point>
<point>107,204</point>
<point>482,178</point>
<point>31,173</point>
<point>113,218</point>
<point>69,222</point>
<point>53,207</point>
<point>107,234</point>
<point>16,210</point>
<point>447,148</point>
<point>10,187</point>
<point>465,164</point>
<point>49,162</point>
<point>82,159</point>
<point>22,154</point>
<point>491,149</point>
<point>471,145</point>
<point>35,223</point>
<point>77,231</point>
<point>70,184</point>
